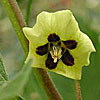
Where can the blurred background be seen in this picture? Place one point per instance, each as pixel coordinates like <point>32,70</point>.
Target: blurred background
<point>87,13</point>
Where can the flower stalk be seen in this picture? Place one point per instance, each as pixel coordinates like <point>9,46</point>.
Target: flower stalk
<point>18,23</point>
<point>78,90</point>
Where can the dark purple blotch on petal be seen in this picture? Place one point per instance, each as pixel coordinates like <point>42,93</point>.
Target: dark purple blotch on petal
<point>53,38</point>
<point>70,44</point>
<point>50,62</point>
<point>51,45</point>
<point>59,43</point>
<point>63,49</point>
<point>67,59</point>
<point>42,50</point>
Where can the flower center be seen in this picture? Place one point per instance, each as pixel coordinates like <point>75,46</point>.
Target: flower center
<point>56,53</point>
<point>57,49</point>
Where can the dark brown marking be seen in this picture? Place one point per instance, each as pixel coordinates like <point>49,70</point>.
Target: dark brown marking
<point>59,43</point>
<point>51,45</point>
<point>67,59</point>
<point>70,44</point>
<point>42,50</point>
<point>49,62</point>
<point>53,38</point>
<point>63,49</point>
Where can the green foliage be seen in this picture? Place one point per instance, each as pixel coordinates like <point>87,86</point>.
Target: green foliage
<point>14,87</point>
<point>3,75</point>
<point>28,11</point>
<point>1,78</point>
<point>19,98</point>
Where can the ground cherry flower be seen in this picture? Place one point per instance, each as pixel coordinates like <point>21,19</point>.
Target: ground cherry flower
<point>57,44</point>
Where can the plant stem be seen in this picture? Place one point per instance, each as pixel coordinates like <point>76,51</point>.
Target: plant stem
<point>28,11</point>
<point>18,23</point>
<point>78,90</point>
<point>47,84</point>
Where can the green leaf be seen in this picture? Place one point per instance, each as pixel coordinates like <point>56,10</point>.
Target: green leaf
<point>3,75</point>
<point>1,78</point>
<point>20,98</point>
<point>16,98</point>
<point>14,87</point>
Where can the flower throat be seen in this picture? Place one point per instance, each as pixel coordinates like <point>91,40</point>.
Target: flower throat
<point>57,49</point>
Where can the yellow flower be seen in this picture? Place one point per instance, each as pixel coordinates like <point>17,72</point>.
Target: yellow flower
<point>57,44</point>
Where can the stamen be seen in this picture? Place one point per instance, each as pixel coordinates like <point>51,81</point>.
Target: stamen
<point>55,50</point>
<point>56,53</point>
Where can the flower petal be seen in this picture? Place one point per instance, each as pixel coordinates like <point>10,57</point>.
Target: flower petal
<point>53,38</point>
<point>42,50</point>
<point>67,59</point>
<point>81,56</point>
<point>38,61</point>
<point>63,24</point>
<point>36,39</point>
<point>73,72</point>
<point>66,26</point>
<point>83,49</point>
<point>41,30</point>
<point>70,44</point>
<point>50,62</point>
